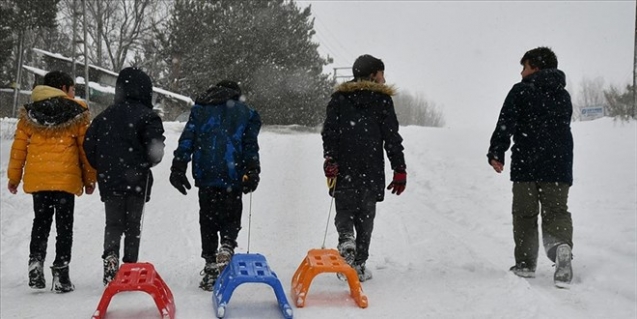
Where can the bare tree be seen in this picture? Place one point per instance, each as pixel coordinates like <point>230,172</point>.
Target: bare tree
<point>116,28</point>
<point>417,110</point>
<point>591,93</point>
<point>149,57</point>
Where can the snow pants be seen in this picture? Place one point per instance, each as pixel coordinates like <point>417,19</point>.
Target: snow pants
<point>355,213</point>
<point>45,205</point>
<point>219,220</point>
<point>123,217</point>
<point>549,200</point>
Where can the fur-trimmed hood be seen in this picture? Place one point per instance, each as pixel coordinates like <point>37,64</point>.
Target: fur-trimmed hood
<point>364,94</point>
<point>352,86</point>
<point>52,109</point>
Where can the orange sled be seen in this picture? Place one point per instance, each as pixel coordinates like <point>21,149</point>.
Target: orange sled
<point>325,261</point>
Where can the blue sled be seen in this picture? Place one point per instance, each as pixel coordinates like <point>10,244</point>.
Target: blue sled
<point>247,268</point>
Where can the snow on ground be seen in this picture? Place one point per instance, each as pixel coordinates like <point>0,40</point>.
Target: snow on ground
<point>440,250</point>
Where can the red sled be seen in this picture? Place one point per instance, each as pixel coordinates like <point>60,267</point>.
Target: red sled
<point>138,277</point>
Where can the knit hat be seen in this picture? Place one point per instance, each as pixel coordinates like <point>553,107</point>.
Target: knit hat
<point>133,84</point>
<point>366,65</point>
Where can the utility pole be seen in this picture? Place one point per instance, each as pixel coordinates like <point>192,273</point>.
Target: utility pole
<point>18,81</point>
<point>86,79</point>
<point>74,56</point>
<point>635,69</point>
<point>336,76</point>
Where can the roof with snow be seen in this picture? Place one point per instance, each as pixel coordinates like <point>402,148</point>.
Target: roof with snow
<point>100,87</point>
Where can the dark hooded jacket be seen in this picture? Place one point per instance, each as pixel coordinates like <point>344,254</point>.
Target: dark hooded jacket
<point>537,113</point>
<point>221,139</point>
<point>126,140</point>
<point>360,123</point>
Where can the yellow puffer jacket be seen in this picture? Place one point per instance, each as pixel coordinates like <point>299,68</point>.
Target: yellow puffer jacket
<point>48,144</point>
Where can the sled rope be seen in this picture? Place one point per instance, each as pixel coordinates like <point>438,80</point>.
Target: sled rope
<point>249,221</point>
<point>331,183</point>
<point>141,222</point>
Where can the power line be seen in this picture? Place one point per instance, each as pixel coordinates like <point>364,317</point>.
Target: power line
<point>329,34</point>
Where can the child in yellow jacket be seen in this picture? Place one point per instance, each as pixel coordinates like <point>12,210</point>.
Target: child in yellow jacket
<point>48,157</point>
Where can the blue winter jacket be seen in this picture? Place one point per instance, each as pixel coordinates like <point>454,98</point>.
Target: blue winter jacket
<point>221,139</point>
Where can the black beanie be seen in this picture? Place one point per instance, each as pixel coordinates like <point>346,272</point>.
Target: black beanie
<point>133,84</point>
<point>366,65</point>
<point>231,85</point>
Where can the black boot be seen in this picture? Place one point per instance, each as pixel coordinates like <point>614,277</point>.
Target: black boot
<point>224,255</point>
<point>61,280</point>
<point>364,274</point>
<point>36,273</point>
<point>347,249</point>
<point>111,266</point>
<point>210,274</point>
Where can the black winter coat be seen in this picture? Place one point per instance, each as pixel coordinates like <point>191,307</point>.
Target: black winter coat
<point>360,123</point>
<point>125,141</point>
<point>537,113</point>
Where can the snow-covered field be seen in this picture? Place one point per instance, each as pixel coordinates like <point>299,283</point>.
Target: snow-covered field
<point>440,250</point>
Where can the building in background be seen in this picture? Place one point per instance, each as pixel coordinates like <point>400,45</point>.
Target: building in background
<point>101,87</point>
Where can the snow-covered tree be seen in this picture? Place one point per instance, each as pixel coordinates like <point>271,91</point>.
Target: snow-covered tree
<point>24,23</point>
<point>620,104</point>
<point>266,46</point>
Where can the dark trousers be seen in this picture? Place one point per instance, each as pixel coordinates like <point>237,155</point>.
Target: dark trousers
<point>123,217</point>
<point>355,211</point>
<point>45,205</point>
<point>219,220</point>
<point>548,200</point>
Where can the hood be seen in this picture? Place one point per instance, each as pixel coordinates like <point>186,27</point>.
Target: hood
<point>43,92</point>
<point>51,108</point>
<point>364,93</point>
<point>217,95</point>
<point>133,85</point>
<point>548,79</point>
<point>352,86</point>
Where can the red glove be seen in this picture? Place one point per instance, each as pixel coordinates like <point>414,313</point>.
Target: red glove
<point>13,188</point>
<point>399,183</point>
<point>330,168</point>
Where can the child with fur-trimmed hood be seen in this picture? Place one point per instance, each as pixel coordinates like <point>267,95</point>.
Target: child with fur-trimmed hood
<point>48,158</point>
<point>360,123</point>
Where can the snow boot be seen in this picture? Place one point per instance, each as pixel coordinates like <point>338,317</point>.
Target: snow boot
<point>210,274</point>
<point>224,255</point>
<point>36,273</point>
<point>364,274</point>
<point>522,269</point>
<point>563,269</point>
<point>111,266</point>
<point>347,250</point>
<point>61,280</point>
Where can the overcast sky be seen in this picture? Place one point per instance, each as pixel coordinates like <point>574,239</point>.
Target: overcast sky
<point>464,55</point>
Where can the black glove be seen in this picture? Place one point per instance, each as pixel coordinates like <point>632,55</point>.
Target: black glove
<point>250,181</point>
<point>178,176</point>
